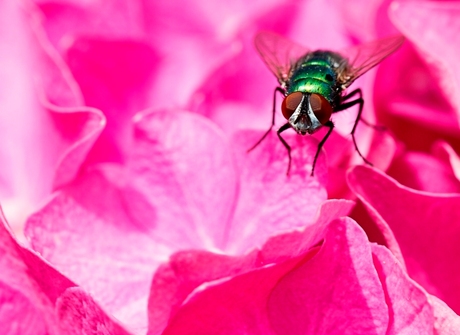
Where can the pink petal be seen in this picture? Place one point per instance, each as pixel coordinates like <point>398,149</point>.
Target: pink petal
<point>234,306</point>
<point>446,321</point>
<point>18,315</point>
<point>181,72</point>
<point>292,290</point>
<point>376,231</point>
<point>41,125</point>
<point>445,152</point>
<point>243,85</point>
<point>79,314</point>
<point>31,291</point>
<point>409,309</point>
<point>345,260</point>
<point>432,27</point>
<point>269,201</point>
<point>425,226</point>
<point>417,91</point>
<point>67,19</point>
<point>96,232</point>
<point>342,154</point>
<point>375,22</point>
<point>290,244</point>
<point>150,205</point>
<point>247,218</point>
<point>116,77</point>
<point>424,172</point>
<point>200,18</point>
<point>185,271</point>
<point>184,165</point>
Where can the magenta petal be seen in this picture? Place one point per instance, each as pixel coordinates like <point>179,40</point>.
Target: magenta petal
<point>425,226</point>
<point>408,306</point>
<point>79,314</point>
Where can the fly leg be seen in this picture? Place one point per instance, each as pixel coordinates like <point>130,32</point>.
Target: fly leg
<point>345,105</point>
<point>320,145</point>
<point>278,89</point>
<point>367,123</point>
<point>288,148</point>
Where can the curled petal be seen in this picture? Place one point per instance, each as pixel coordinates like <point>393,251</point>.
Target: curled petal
<point>424,229</point>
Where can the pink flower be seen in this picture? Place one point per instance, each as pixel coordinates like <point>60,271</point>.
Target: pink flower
<point>150,216</point>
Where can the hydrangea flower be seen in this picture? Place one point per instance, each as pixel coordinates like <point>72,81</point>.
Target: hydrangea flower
<point>125,129</point>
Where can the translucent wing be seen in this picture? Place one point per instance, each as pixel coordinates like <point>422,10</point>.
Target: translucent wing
<point>365,56</point>
<point>278,53</point>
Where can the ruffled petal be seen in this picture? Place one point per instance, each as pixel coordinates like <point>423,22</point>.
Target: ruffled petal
<point>45,132</point>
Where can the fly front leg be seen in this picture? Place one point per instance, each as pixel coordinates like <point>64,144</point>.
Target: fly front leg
<point>320,145</point>
<point>346,105</point>
<point>288,148</point>
<point>280,90</point>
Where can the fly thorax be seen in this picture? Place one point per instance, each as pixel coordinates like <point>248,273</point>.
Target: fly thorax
<point>304,120</point>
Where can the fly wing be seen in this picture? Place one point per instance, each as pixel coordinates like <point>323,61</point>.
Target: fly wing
<point>279,53</point>
<point>364,57</point>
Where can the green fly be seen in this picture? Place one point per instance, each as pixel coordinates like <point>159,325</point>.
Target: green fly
<point>314,83</point>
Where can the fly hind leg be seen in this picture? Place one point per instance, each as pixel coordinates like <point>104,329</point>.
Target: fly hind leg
<point>347,104</point>
<point>363,120</point>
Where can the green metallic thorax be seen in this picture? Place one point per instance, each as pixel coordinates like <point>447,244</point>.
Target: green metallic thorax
<point>317,73</point>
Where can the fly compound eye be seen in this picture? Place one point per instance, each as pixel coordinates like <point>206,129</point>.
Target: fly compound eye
<point>321,108</point>
<point>290,104</point>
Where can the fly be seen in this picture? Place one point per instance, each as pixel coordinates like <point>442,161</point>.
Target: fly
<point>313,83</point>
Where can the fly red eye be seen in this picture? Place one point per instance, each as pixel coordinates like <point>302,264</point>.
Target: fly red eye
<point>290,103</point>
<point>321,107</point>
